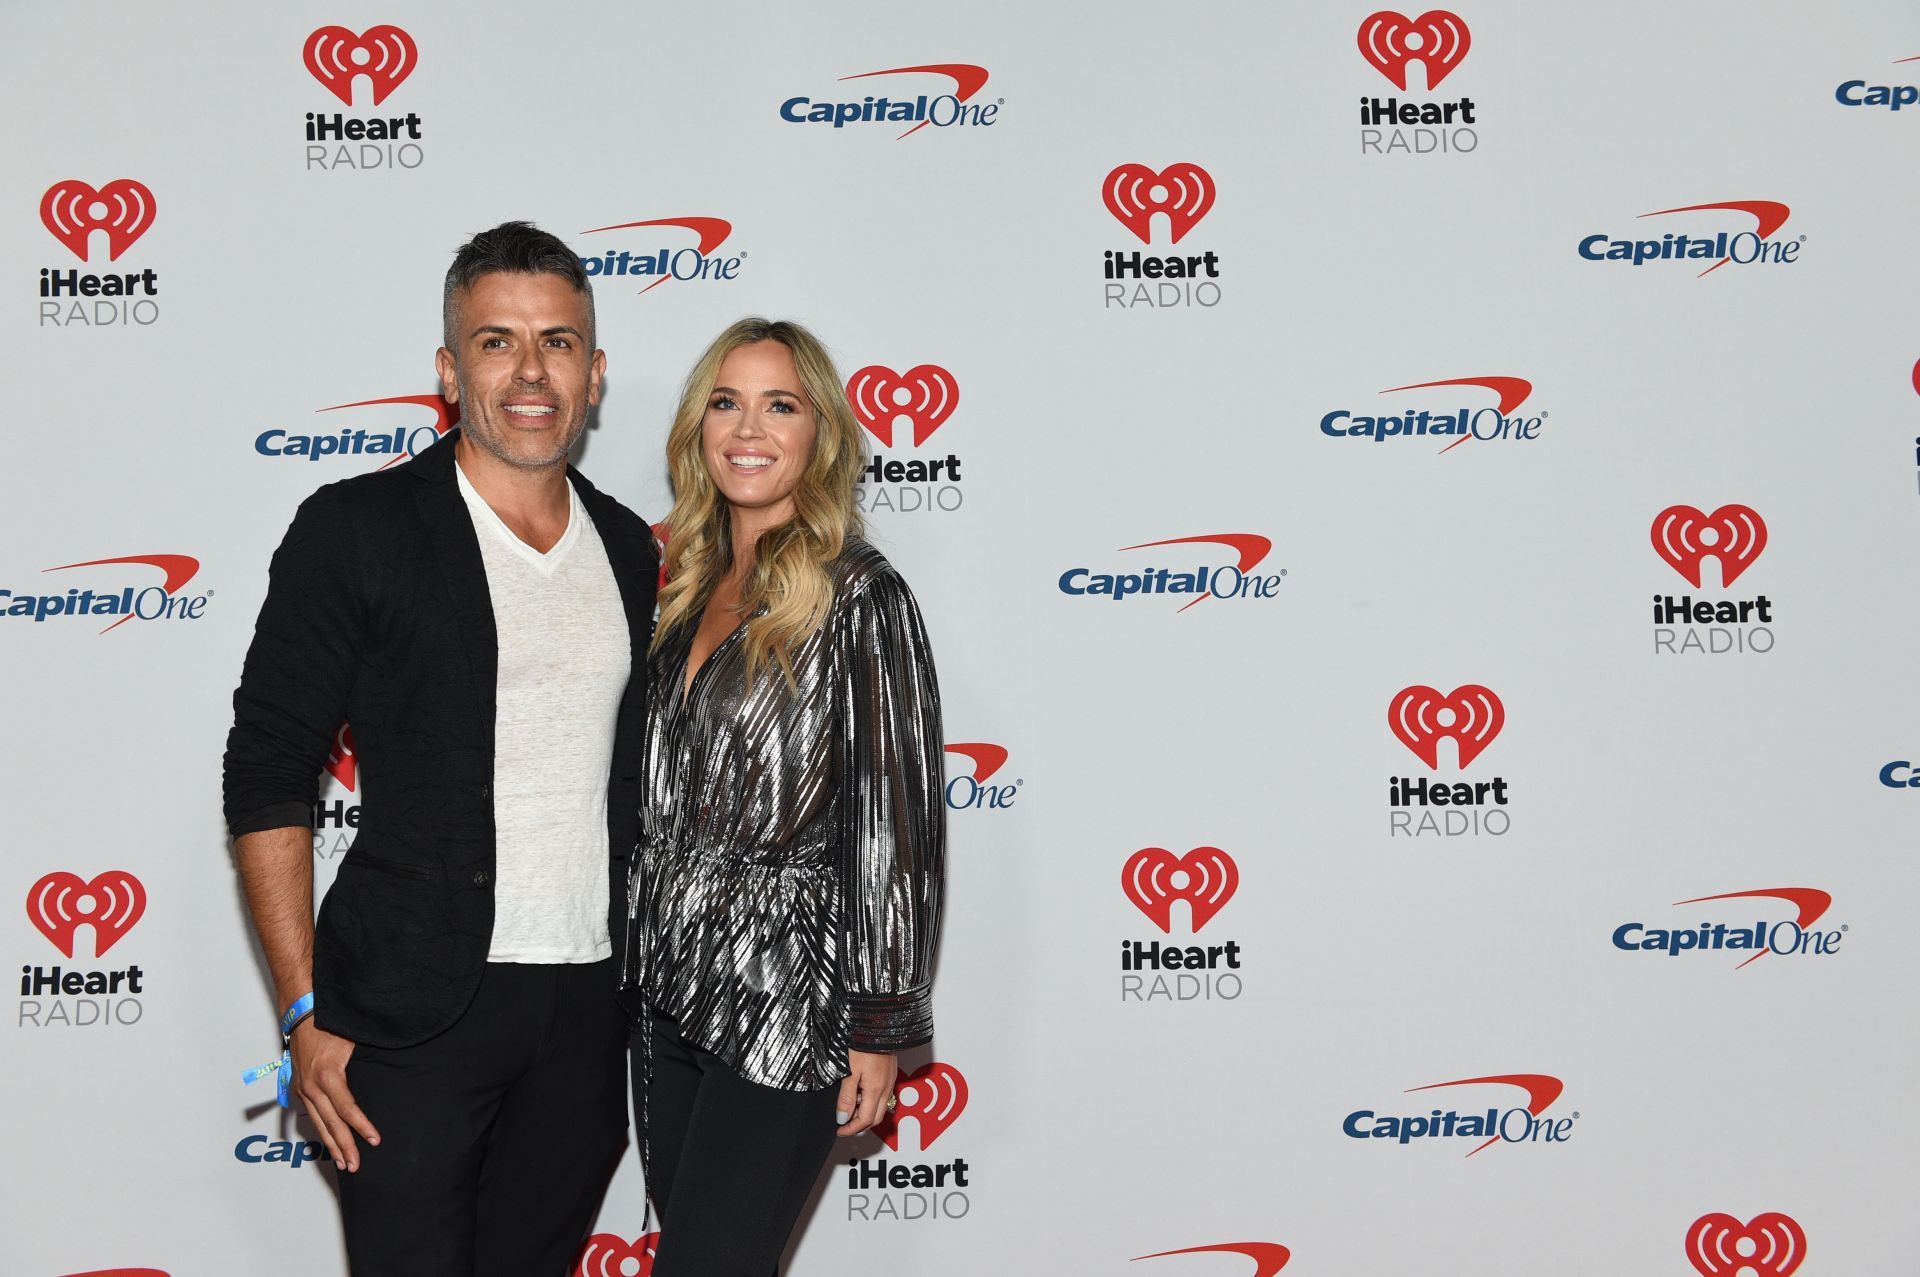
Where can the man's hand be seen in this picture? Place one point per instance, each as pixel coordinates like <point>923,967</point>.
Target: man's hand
<point>320,1078</point>
<point>864,1092</point>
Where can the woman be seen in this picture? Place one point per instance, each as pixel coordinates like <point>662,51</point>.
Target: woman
<point>785,899</point>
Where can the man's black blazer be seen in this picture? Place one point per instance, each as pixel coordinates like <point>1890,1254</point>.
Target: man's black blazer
<point>378,615</point>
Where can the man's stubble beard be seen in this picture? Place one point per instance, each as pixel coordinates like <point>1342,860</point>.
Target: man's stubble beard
<point>493,443</point>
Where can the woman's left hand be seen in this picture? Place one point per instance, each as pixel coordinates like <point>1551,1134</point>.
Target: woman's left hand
<point>865,1090</point>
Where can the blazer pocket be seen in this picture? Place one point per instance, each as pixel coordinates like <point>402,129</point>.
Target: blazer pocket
<point>357,859</point>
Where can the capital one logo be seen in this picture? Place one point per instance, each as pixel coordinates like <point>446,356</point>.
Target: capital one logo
<point>1154,878</point>
<point>975,787</point>
<point>385,55</point>
<point>1797,936</point>
<point>1439,40</point>
<point>1470,716</point>
<point>1235,580</point>
<point>944,111</point>
<point>611,1255</point>
<point>986,759</point>
<point>1742,248</point>
<point>920,399</point>
<point>700,260</point>
<point>1516,1125</point>
<point>395,445</point>
<point>1769,1245</point>
<point>127,602</point>
<point>1182,192</point>
<point>933,1095</point>
<point>122,1272</point>
<point>1268,1257</point>
<point>1734,534</point>
<point>111,904</point>
<point>72,211</point>
<point>1499,422</point>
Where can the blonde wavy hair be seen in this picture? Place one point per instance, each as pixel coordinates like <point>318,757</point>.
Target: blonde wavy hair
<point>789,576</point>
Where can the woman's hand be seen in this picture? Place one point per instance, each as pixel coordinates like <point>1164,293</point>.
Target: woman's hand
<point>865,1091</point>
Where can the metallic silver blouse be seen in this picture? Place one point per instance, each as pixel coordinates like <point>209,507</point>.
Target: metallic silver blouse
<point>786,899</point>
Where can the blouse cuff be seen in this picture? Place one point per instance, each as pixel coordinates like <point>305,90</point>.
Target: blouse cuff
<point>890,1021</point>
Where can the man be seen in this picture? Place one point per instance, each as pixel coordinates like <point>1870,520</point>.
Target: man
<point>480,618</point>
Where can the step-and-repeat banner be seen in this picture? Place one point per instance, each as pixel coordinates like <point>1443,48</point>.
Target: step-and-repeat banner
<point>1413,513</point>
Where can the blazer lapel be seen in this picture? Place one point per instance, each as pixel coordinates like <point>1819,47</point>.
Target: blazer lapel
<point>449,526</point>
<point>630,553</point>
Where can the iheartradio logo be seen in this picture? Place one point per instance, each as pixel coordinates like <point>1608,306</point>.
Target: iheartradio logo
<point>1439,40</point>
<point>920,399</point>
<point>1268,1257</point>
<point>342,764</point>
<point>933,1095</point>
<point>1153,878</point>
<point>71,210</point>
<point>385,55</point>
<point>1769,1245</point>
<point>1134,193</point>
<point>610,1255</point>
<point>1733,534</point>
<point>112,903</point>
<point>1470,715</point>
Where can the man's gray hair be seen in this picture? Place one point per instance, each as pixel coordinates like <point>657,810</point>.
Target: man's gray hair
<point>519,248</point>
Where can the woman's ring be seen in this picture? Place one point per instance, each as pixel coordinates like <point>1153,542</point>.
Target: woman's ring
<point>893,1102</point>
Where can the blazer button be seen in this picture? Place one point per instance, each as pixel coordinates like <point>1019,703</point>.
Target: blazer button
<point>486,791</point>
<point>479,877</point>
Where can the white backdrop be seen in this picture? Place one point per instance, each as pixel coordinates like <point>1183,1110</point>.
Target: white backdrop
<point>1693,1114</point>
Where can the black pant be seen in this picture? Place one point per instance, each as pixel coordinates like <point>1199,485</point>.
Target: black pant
<point>731,1161</point>
<point>497,1137</point>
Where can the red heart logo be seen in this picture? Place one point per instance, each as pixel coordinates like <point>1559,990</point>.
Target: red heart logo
<point>1477,717</point>
<point>73,210</point>
<point>1185,193</point>
<point>607,1255</point>
<point>1734,534</point>
<point>385,55</point>
<point>1437,38</point>
<point>61,901</point>
<point>1208,879</point>
<point>341,762</point>
<point>923,397</point>
<point>933,1095</point>
<point>1769,1245</point>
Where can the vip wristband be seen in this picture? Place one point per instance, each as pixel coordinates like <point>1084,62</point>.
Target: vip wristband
<point>283,1067</point>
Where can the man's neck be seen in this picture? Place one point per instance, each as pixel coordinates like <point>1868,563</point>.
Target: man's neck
<point>532,502</point>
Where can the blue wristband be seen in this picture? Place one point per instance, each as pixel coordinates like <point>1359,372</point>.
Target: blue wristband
<point>282,1069</point>
<point>302,1008</point>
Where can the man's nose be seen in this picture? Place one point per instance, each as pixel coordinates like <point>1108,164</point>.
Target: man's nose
<point>532,364</point>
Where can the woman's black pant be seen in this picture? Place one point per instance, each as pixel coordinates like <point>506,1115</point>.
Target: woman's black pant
<point>731,1163</point>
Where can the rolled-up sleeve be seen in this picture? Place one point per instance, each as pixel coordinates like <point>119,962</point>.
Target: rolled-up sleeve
<point>305,654</point>
<point>893,816</point>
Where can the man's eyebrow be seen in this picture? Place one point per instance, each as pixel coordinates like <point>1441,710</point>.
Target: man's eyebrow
<point>508,332</point>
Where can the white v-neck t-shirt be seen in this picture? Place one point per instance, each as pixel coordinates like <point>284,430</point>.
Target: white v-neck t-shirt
<point>565,658</point>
